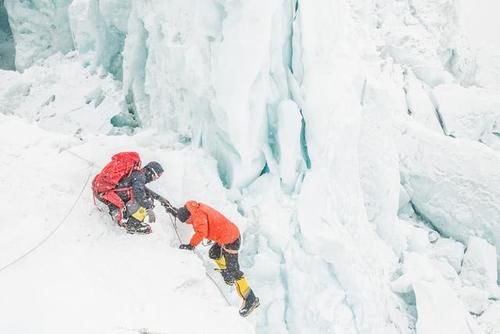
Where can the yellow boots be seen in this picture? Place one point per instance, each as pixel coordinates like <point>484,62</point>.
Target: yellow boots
<point>250,301</point>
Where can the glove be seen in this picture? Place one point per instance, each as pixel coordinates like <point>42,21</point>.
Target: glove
<point>151,215</point>
<point>186,246</point>
<point>171,210</point>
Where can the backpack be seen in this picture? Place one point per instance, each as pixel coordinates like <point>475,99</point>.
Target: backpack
<point>121,165</point>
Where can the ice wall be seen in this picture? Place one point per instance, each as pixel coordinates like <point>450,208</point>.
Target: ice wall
<point>382,98</point>
<point>7,48</point>
<point>459,198</point>
<point>331,214</point>
<point>40,28</point>
<point>99,27</point>
<point>426,37</point>
<point>224,72</point>
<point>435,297</point>
<point>224,68</point>
<point>469,112</point>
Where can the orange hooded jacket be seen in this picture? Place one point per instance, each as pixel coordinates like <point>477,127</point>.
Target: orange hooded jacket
<point>210,224</point>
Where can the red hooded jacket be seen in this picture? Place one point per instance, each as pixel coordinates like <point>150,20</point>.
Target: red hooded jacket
<point>210,224</point>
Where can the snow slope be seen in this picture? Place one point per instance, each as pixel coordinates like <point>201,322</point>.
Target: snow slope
<point>88,275</point>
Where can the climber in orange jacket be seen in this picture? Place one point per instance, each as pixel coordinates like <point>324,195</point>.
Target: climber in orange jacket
<point>210,224</point>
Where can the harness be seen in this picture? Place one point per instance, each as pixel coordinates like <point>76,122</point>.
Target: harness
<point>230,251</point>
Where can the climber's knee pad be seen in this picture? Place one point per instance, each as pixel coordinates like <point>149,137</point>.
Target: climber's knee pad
<point>215,251</point>
<point>221,262</point>
<point>135,210</point>
<point>140,214</point>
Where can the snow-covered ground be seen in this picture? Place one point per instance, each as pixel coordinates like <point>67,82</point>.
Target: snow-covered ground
<point>76,271</point>
<point>355,143</point>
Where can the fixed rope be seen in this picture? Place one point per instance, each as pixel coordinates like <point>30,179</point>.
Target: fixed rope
<point>90,163</point>
<point>44,240</point>
<point>174,226</point>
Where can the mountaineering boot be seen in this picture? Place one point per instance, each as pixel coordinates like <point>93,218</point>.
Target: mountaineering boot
<point>133,226</point>
<point>250,303</point>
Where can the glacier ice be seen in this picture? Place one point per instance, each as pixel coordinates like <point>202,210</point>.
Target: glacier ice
<point>331,215</point>
<point>489,320</point>
<point>420,103</point>
<point>40,29</point>
<point>297,107</point>
<point>420,41</point>
<point>469,113</point>
<point>379,165</point>
<point>459,199</point>
<point>200,97</point>
<point>99,28</point>
<point>479,266</point>
<point>435,297</point>
<point>7,48</point>
<point>475,299</point>
<point>451,251</point>
<point>291,161</point>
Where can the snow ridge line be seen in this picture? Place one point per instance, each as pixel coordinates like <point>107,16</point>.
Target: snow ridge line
<point>53,231</point>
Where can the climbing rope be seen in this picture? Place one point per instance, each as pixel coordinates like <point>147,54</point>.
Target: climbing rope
<point>213,280</point>
<point>39,244</point>
<point>174,226</point>
<point>90,163</point>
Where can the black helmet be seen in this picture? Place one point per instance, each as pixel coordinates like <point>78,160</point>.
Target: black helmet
<point>153,170</point>
<point>183,214</point>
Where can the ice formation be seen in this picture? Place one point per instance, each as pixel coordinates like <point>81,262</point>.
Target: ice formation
<point>356,144</point>
<point>7,48</point>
